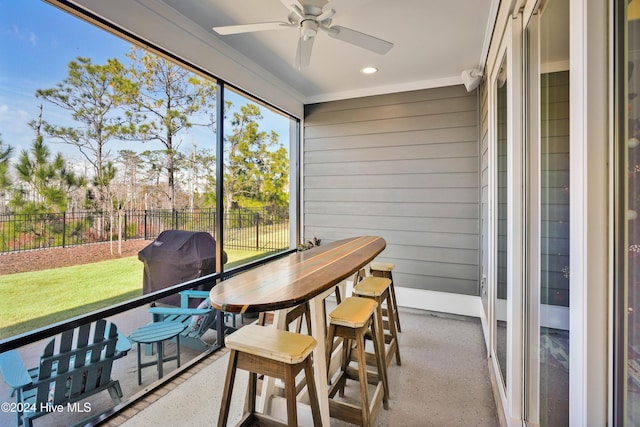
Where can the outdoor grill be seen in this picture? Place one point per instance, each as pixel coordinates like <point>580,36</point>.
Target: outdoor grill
<point>177,256</point>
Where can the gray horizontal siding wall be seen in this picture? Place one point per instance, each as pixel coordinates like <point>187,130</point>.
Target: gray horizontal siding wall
<point>402,166</point>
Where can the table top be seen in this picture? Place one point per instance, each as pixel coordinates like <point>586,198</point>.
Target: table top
<point>294,279</point>
<point>157,331</point>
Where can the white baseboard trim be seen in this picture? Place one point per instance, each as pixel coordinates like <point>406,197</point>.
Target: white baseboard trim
<point>464,305</point>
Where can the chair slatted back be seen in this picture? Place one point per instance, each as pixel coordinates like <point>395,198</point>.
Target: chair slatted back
<point>208,321</point>
<point>76,369</point>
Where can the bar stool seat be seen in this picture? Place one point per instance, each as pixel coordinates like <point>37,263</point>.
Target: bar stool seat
<point>275,353</point>
<point>378,289</point>
<point>382,266</point>
<point>351,319</point>
<point>383,269</point>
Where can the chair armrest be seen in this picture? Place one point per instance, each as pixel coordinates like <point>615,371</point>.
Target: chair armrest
<point>13,371</point>
<point>185,295</point>
<point>195,294</point>
<point>123,345</point>
<point>171,311</point>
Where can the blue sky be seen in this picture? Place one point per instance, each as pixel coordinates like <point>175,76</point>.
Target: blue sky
<point>37,41</point>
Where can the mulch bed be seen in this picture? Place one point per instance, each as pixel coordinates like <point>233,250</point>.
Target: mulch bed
<point>43,259</point>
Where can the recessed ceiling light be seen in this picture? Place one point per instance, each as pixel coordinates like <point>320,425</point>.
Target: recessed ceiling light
<point>369,70</point>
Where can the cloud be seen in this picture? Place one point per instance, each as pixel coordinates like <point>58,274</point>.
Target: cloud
<point>14,126</point>
<point>24,35</point>
<point>11,118</point>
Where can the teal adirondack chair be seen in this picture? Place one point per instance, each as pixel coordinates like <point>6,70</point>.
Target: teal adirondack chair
<point>199,319</point>
<point>78,367</point>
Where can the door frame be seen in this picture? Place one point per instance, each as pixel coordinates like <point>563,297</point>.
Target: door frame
<point>511,392</point>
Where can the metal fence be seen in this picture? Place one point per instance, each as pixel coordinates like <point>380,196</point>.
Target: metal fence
<point>246,229</point>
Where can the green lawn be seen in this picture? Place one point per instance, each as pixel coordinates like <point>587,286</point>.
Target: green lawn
<point>39,298</point>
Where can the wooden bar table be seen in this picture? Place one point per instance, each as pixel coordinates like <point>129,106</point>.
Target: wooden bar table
<point>309,275</point>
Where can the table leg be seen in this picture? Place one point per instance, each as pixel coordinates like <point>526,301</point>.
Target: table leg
<point>318,331</point>
<point>318,322</point>
<point>160,353</point>
<point>178,349</point>
<point>139,367</point>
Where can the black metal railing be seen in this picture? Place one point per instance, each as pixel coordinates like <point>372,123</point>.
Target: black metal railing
<point>265,229</point>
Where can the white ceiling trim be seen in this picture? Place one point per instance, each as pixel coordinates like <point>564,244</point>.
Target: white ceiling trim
<point>382,90</point>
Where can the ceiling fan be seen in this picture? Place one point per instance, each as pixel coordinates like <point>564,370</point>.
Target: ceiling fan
<point>309,16</point>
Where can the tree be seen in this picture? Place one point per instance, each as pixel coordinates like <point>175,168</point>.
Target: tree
<point>93,94</point>
<point>256,168</point>
<point>207,164</point>
<point>131,164</point>
<point>274,188</point>
<point>48,181</point>
<point>169,100</point>
<point>152,175</point>
<point>114,203</point>
<point>5,180</point>
<point>203,163</point>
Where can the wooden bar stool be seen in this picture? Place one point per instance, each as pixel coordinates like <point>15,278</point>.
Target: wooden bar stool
<point>383,269</point>
<point>377,288</point>
<point>296,313</point>
<point>351,320</point>
<point>276,353</point>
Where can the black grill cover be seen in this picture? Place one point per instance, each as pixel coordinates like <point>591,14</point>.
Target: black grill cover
<point>177,256</point>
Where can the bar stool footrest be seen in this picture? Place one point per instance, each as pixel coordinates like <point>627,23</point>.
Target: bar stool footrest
<point>372,377</point>
<point>259,419</point>
<point>350,413</point>
<point>388,338</point>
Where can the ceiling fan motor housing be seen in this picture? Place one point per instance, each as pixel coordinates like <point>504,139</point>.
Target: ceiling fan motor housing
<point>308,29</point>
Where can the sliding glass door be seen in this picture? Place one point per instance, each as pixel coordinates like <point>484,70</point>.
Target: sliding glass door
<point>501,293</point>
<point>547,142</point>
<point>627,361</point>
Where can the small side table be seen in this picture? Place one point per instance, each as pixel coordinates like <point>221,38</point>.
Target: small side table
<point>158,332</point>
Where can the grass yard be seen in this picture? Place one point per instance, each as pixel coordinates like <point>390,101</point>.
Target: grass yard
<point>39,298</point>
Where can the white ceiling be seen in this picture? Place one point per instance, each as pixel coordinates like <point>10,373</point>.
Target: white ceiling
<point>434,40</point>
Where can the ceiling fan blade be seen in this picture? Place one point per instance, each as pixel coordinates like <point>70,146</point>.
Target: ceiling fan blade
<point>326,14</point>
<point>303,53</point>
<point>249,28</point>
<point>357,38</point>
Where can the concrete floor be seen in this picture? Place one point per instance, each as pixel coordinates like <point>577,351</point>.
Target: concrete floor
<point>443,381</point>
